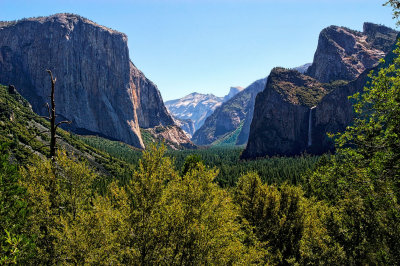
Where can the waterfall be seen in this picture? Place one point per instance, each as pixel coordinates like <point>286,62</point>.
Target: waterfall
<point>310,126</point>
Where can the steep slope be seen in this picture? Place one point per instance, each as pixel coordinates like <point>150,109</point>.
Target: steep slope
<point>173,137</point>
<point>281,114</point>
<point>26,135</point>
<point>98,88</point>
<point>151,110</point>
<point>197,107</point>
<point>343,54</point>
<point>229,116</point>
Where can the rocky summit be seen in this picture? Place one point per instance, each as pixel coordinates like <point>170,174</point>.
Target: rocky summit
<point>343,54</point>
<point>98,88</point>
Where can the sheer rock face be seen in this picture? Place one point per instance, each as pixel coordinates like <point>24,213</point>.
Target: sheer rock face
<point>281,114</point>
<point>343,54</point>
<point>97,87</point>
<point>151,110</point>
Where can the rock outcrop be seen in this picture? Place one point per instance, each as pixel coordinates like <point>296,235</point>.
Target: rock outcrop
<point>343,54</point>
<point>97,88</point>
<point>235,113</point>
<point>173,136</point>
<point>197,107</point>
<point>281,114</point>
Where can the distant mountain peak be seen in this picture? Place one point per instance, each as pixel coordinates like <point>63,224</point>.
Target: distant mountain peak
<point>197,107</point>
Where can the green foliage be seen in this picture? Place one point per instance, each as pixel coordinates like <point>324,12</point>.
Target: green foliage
<point>147,138</point>
<point>17,126</point>
<point>291,225</point>
<point>362,180</point>
<point>229,139</point>
<point>271,170</point>
<point>191,163</point>
<point>57,191</point>
<point>14,245</point>
<point>395,4</point>
<point>119,150</point>
<point>159,217</point>
<point>225,158</point>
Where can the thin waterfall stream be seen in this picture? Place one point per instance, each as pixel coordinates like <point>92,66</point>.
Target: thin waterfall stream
<point>310,126</point>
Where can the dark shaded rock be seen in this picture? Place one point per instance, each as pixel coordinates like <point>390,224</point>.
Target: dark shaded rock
<point>12,89</point>
<point>343,54</point>
<point>151,110</point>
<point>281,114</point>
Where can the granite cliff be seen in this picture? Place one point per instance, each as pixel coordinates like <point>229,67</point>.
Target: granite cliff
<point>295,112</point>
<point>343,54</point>
<point>281,113</point>
<point>98,88</point>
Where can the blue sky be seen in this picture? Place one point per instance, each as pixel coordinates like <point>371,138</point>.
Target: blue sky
<point>209,45</point>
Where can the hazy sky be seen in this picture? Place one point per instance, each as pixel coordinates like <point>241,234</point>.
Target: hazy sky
<point>209,45</point>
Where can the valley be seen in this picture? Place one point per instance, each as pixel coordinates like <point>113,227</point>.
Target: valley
<point>300,167</point>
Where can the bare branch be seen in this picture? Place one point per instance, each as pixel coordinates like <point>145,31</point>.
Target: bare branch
<point>63,122</point>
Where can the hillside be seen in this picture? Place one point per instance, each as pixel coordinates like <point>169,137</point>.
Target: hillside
<point>27,135</point>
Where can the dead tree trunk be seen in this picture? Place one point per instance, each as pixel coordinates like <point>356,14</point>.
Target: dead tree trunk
<point>52,117</point>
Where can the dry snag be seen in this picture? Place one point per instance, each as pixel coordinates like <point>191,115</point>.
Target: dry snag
<point>52,117</point>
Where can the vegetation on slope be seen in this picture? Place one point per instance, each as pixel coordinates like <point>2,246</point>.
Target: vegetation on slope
<point>26,134</point>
